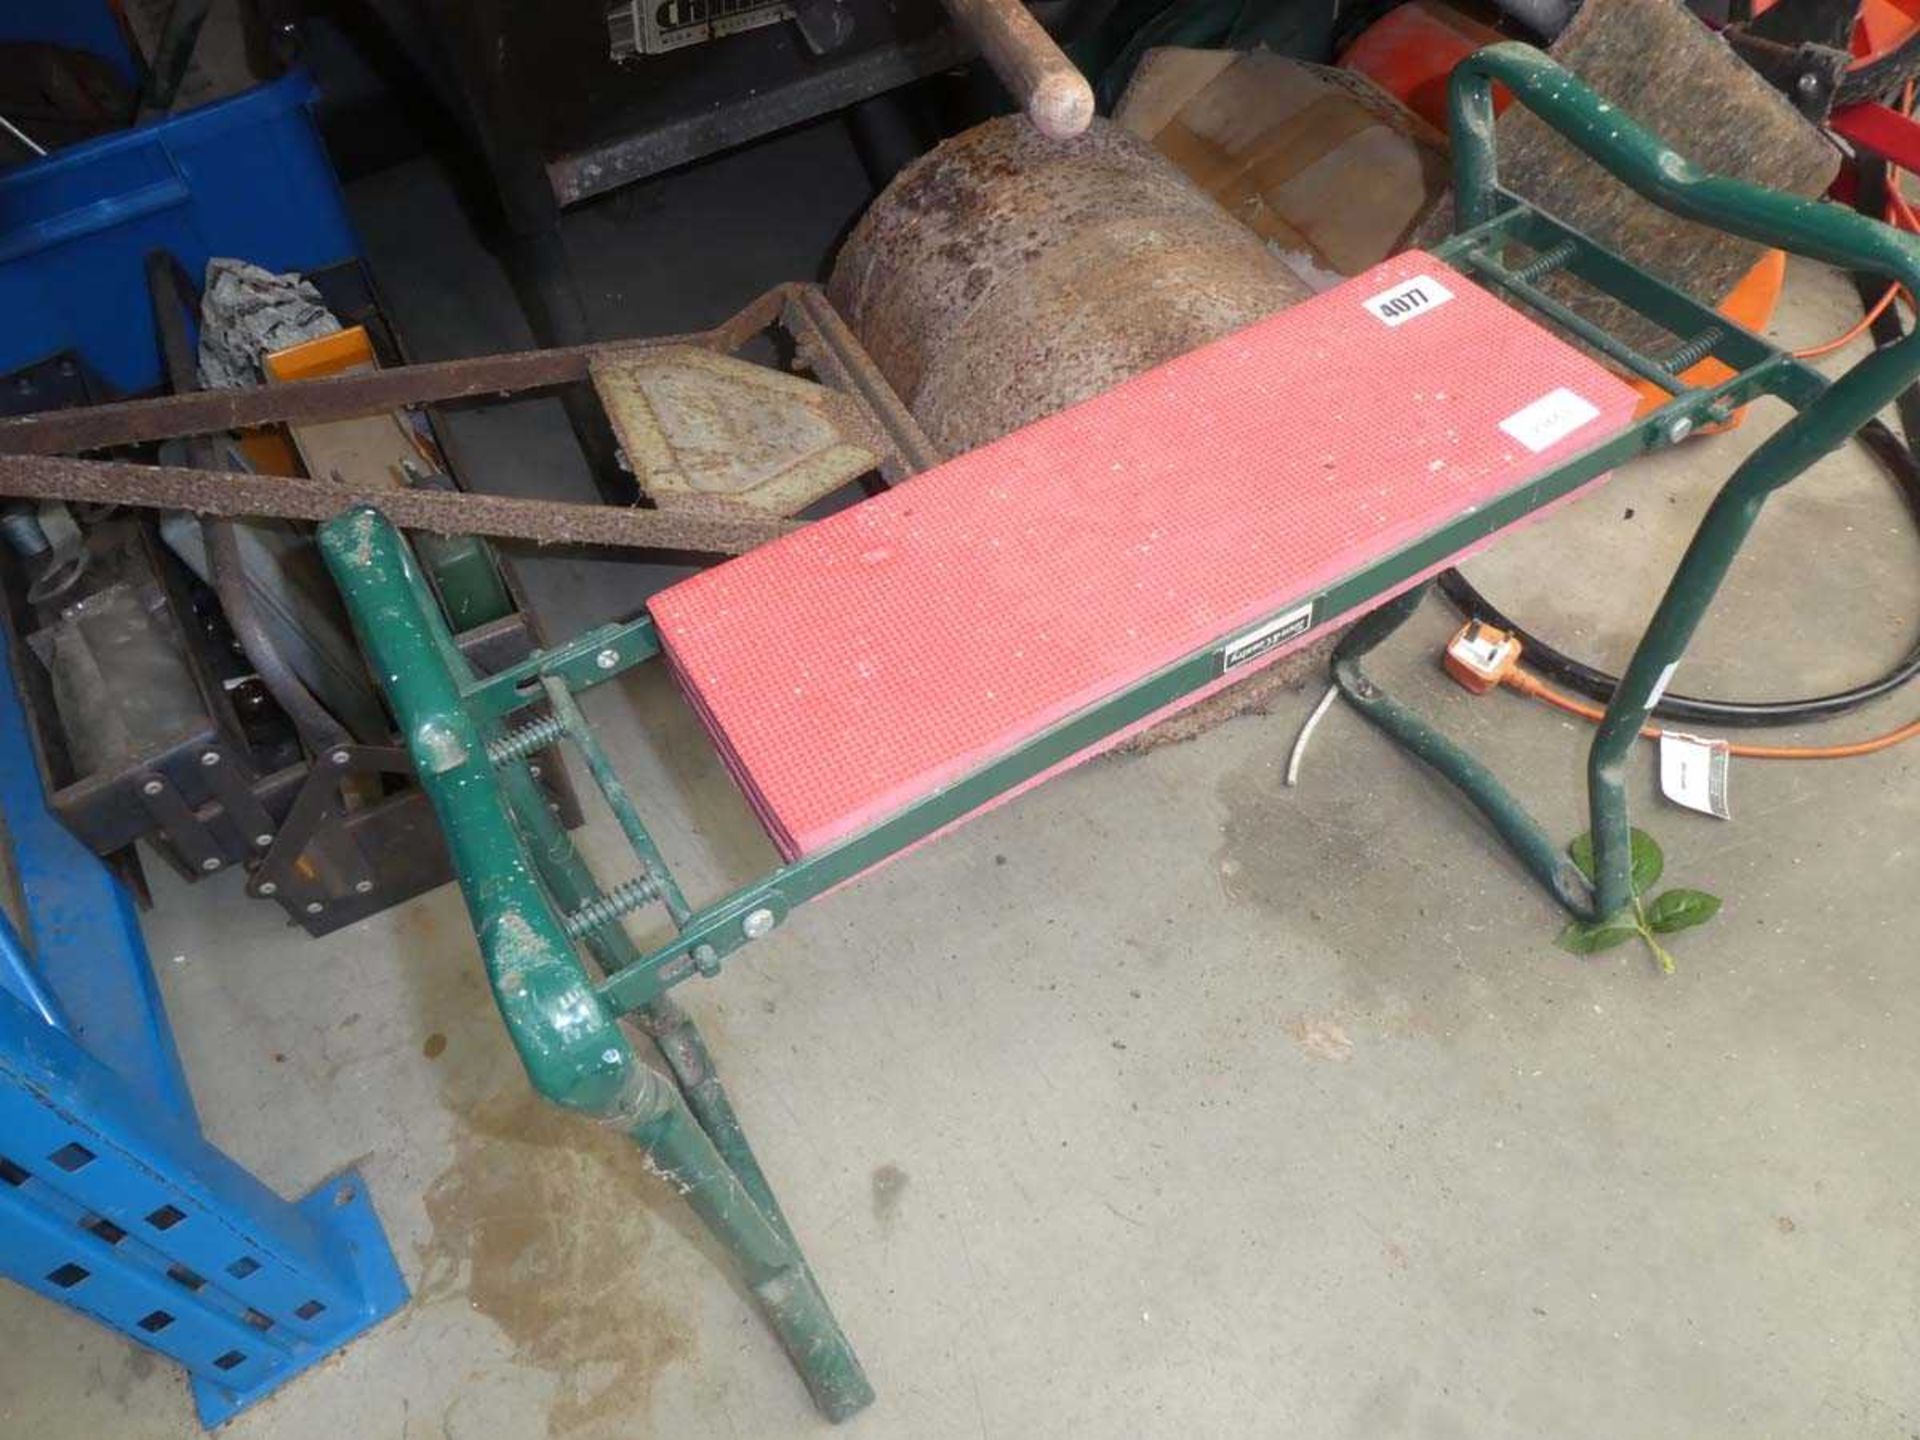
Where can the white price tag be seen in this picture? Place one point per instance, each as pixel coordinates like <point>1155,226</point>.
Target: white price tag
<point>1553,417</point>
<point>1693,772</point>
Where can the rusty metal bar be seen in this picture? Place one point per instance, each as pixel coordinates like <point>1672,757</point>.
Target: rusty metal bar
<point>345,397</point>
<point>832,351</point>
<point>279,497</point>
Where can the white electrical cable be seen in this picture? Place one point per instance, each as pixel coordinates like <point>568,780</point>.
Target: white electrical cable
<point>25,139</point>
<point>1306,734</point>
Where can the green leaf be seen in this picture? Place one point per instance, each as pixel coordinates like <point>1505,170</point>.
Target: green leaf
<point>1681,910</point>
<point>1581,853</point>
<point>1645,860</point>
<point>1590,937</point>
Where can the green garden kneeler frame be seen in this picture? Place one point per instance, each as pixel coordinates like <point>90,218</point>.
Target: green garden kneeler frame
<point>543,918</point>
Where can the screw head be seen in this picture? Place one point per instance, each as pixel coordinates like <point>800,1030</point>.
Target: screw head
<point>212,862</point>
<point>210,757</point>
<point>263,841</point>
<point>314,907</point>
<point>339,757</point>
<point>1808,83</point>
<point>758,923</point>
<point>152,787</point>
<point>706,960</point>
<point>267,887</point>
<point>607,659</point>
<point>363,887</point>
<point>1679,428</point>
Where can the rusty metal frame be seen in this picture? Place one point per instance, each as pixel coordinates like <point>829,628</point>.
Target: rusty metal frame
<point>823,340</point>
<point>34,448</point>
<point>308,845</point>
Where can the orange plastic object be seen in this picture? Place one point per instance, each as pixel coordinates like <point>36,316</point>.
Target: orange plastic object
<point>1410,51</point>
<point>1883,24</point>
<point>1480,657</point>
<point>346,349</point>
<point>267,447</point>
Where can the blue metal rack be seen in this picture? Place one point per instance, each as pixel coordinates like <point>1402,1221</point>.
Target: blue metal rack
<point>111,1200</point>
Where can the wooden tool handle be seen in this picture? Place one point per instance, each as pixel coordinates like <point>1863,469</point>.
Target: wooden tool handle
<point>1055,95</point>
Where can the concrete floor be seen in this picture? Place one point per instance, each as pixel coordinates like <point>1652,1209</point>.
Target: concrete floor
<point>1166,1101</point>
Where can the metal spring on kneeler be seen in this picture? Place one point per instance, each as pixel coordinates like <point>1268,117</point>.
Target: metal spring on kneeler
<point>519,743</point>
<point>1695,350</point>
<point>1546,262</point>
<point>627,896</point>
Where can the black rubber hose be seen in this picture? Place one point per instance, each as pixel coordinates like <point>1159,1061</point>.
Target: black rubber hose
<point>1893,454</point>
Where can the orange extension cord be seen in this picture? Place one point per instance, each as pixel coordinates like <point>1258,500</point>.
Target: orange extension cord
<point>1530,684</point>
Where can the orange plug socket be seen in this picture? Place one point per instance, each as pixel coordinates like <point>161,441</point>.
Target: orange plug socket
<point>1481,657</point>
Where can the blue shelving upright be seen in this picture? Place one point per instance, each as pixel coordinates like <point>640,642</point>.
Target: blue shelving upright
<point>112,1202</point>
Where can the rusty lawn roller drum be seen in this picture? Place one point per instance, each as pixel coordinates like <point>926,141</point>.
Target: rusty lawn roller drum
<point>1007,275</point>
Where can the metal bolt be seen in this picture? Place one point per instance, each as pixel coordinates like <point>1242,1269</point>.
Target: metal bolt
<point>263,841</point>
<point>607,659</point>
<point>152,787</point>
<point>758,923</point>
<point>363,887</point>
<point>212,862</point>
<point>1808,83</point>
<point>1679,428</point>
<point>314,907</point>
<point>339,757</point>
<point>706,960</point>
<point>210,757</point>
<point>267,887</point>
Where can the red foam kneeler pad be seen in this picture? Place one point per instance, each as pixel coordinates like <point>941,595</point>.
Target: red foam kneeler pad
<point>870,659</point>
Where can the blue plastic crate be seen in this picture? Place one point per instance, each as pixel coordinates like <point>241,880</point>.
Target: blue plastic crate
<point>245,177</point>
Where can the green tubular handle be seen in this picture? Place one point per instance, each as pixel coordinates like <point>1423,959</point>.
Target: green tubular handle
<point>1634,154</point>
<point>1812,228</point>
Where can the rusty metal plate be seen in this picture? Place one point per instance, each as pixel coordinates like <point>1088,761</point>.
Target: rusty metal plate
<point>697,427</point>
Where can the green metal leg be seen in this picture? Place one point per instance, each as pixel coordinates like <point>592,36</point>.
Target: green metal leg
<point>681,1152</point>
<point>1828,414</point>
<point>1536,849</point>
<point>1816,431</point>
<point>1822,427</point>
<point>678,1040</point>
<point>574,1049</point>
<point>686,1055</point>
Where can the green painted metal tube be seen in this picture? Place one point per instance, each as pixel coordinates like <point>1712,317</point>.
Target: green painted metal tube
<point>568,879</point>
<point>685,1052</point>
<point>1812,228</point>
<point>567,711</point>
<point>681,1152</point>
<point>572,1046</point>
<point>1536,849</point>
<point>574,1052</point>
<point>1818,430</point>
<point>571,883</point>
<point>1638,157</point>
